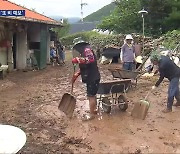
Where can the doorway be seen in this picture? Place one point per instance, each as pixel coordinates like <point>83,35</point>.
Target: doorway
<point>14,49</point>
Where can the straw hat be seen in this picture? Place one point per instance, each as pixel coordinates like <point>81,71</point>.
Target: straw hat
<point>129,37</point>
<point>78,40</point>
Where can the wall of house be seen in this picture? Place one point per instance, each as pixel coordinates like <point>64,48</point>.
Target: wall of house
<point>10,53</point>
<point>37,34</point>
<point>3,56</point>
<point>3,51</point>
<point>48,47</point>
<point>34,32</point>
<point>43,46</point>
<point>21,50</point>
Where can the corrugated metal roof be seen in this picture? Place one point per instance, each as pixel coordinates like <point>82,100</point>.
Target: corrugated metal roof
<point>82,27</point>
<point>29,14</point>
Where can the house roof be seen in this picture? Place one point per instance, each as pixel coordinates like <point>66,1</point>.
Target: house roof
<point>29,14</point>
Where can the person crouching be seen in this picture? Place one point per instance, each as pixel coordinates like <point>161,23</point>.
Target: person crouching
<point>167,69</point>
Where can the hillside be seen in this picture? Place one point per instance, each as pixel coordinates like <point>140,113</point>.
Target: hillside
<point>98,15</point>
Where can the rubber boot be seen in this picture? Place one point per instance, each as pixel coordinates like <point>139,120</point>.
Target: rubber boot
<point>177,102</point>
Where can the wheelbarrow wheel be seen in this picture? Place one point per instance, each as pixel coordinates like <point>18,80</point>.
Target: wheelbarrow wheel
<point>123,105</point>
<point>127,89</point>
<point>106,105</point>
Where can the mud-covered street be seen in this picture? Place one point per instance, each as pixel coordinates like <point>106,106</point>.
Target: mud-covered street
<point>29,100</point>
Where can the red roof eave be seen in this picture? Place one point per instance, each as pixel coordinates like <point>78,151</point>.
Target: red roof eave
<point>32,20</point>
<point>29,14</point>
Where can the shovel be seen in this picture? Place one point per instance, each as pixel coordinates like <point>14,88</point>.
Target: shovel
<point>141,108</point>
<point>68,102</point>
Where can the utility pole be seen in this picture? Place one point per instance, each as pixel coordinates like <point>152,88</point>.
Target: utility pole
<point>82,5</point>
<point>143,12</point>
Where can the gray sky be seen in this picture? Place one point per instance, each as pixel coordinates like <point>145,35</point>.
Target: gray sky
<point>65,8</point>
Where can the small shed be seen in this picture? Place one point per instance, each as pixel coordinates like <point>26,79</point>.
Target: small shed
<point>20,35</point>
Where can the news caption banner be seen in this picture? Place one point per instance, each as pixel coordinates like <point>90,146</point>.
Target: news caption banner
<point>12,13</point>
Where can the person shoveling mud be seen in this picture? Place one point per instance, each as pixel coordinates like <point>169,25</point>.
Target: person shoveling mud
<point>168,69</point>
<point>89,73</point>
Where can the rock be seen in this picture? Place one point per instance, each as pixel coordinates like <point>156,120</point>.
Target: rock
<point>161,137</point>
<point>137,151</point>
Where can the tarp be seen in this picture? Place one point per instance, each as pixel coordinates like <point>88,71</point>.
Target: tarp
<point>111,52</point>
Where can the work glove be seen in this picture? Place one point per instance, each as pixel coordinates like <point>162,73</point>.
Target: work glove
<point>75,76</point>
<point>78,60</point>
<point>154,87</point>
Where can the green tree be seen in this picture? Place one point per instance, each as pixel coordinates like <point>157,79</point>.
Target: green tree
<point>158,11</point>
<point>124,19</point>
<point>63,31</point>
<point>163,15</point>
<point>173,20</point>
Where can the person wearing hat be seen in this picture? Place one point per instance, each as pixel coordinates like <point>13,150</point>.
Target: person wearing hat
<point>128,53</point>
<point>53,56</point>
<point>61,52</point>
<point>89,73</point>
<point>167,69</point>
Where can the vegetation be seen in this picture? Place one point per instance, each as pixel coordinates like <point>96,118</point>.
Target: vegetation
<point>100,14</point>
<point>163,16</point>
<point>68,40</point>
<point>63,31</point>
<point>162,20</point>
<point>99,41</point>
<point>171,39</point>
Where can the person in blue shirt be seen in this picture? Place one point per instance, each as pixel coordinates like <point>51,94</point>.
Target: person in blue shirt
<point>52,52</point>
<point>53,56</point>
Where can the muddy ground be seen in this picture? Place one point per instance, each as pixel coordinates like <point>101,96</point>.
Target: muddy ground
<point>29,100</point>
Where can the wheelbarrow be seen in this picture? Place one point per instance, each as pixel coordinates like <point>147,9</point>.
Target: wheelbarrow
<point>125,74</point>
<point>113,94</point>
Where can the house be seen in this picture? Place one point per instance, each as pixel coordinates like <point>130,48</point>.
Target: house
<point>22,35</point>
